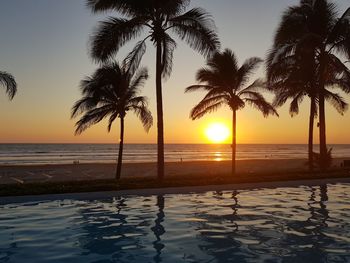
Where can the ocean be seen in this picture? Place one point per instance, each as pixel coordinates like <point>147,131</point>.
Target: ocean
<point>22,154</point>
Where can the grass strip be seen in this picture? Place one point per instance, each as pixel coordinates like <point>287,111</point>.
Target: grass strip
<point>142,182</point>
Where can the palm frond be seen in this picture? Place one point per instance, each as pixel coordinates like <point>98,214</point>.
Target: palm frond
<point>294,105</point>
<point>279,53</point>
<point>124,7</point>
<point>205,106</point>
<point>282,68</point>
<point>85,104</point>
<point>338,74</point>
<point>236,102</point>
<point>343,83</point>
<point>292,26</point>
<point>97,6</point>
<point>103,77</point>
<point>336,101</point>
<point>221,61</point>
<point>172,8</point>
<point>339,37</point>
<point>136,101</point>
<point>111,120</point>
<point>217,94</point>
<point>8,81</point>
<point>137,7</point>
<point>169,46</point>
<point>210,77</point>
<point>280,99</point>
<point>223,80</point>
<point>198,88</point>
<point>92,117</point>
<point>258,84</point>
<point>263,106</point>
<point>247,69</point>
<point>223,67</point>
<point>112,34</point>
<point>144,115</point>
<point>133,59</point>
<point>139,79</point>
<point>252,95</point>
<point>197,28</point>
<point>199,110</point>
<point>110,92</point>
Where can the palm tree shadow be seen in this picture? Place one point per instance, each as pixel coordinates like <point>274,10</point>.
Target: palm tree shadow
<point>158,229</point>
<point>234,208</point>
<point>108,231</point>
<point>310,244</point>
<point>317,222</point>
<point>319,215</point>
<point>222,247</point>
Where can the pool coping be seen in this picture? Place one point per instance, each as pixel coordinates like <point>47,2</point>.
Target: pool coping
<point>169,190</point>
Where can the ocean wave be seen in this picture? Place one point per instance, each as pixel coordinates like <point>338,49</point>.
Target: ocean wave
<point>90,153</point>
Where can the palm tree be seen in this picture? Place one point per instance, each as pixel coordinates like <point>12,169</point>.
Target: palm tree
<point>292,77</point>
<point>317,23</point>
<point>226,83</point>
<point>111,92</point>
<point>8,81</point>
<point>158,18</point>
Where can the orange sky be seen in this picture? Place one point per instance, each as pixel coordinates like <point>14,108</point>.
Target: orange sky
<point>46,50</point>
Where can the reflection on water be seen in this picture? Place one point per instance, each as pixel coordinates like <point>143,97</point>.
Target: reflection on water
<point>218,230</point>
<point>305,224</point>
<point>218,156</point>
<point>158,229</point>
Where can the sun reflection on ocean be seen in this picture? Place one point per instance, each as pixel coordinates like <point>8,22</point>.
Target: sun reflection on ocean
<point>218,156</point>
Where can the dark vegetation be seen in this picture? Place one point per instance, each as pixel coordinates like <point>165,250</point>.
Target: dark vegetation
<point>141,182</point>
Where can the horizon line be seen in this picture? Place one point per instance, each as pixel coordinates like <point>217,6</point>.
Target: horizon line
<point>134,143</point>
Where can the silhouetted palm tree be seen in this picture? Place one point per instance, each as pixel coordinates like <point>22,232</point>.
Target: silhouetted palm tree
<point>158,18</point>
<point>293,77</point>
<point>315,24</point>
<point>111,92</point>
<point>8,81</point>
<point>226,83</point>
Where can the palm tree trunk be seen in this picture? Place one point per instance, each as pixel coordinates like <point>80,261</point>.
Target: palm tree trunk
<point>120,154</point>
<point>160,125</point>
<point>322,117</point>
<point>311,134</point>
<point>322,121</point>
<point>233,142</point>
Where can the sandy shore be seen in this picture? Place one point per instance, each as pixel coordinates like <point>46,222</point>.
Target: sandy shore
<point>73,172</point>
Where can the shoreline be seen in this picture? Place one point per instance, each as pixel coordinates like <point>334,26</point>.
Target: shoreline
<point>22,174</point>
<point>150,162</point>
<point>63,179</point>
<point>336,160</point>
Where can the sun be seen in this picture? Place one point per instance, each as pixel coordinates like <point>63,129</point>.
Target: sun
<point>217,132</point>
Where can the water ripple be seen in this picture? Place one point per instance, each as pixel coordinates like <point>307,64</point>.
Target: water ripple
<point>303,224</point>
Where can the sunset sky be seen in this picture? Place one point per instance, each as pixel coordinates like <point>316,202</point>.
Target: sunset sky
<point>44,44</point>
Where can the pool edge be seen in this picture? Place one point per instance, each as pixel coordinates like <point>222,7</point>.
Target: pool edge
<point>169,190</point>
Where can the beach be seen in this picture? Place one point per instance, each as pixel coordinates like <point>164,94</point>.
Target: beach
<point>23,174</point>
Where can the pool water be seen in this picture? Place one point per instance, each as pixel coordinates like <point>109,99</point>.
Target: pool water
<point>301,224</point>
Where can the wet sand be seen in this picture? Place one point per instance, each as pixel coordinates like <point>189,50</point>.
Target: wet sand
<point>75,172</point>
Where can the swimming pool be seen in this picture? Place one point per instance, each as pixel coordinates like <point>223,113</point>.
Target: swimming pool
<point>294,224</point>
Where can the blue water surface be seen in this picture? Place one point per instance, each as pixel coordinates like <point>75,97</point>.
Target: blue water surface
<point>296,224</point>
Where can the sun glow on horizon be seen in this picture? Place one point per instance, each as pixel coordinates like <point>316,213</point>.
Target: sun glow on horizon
<point>217,132</point>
